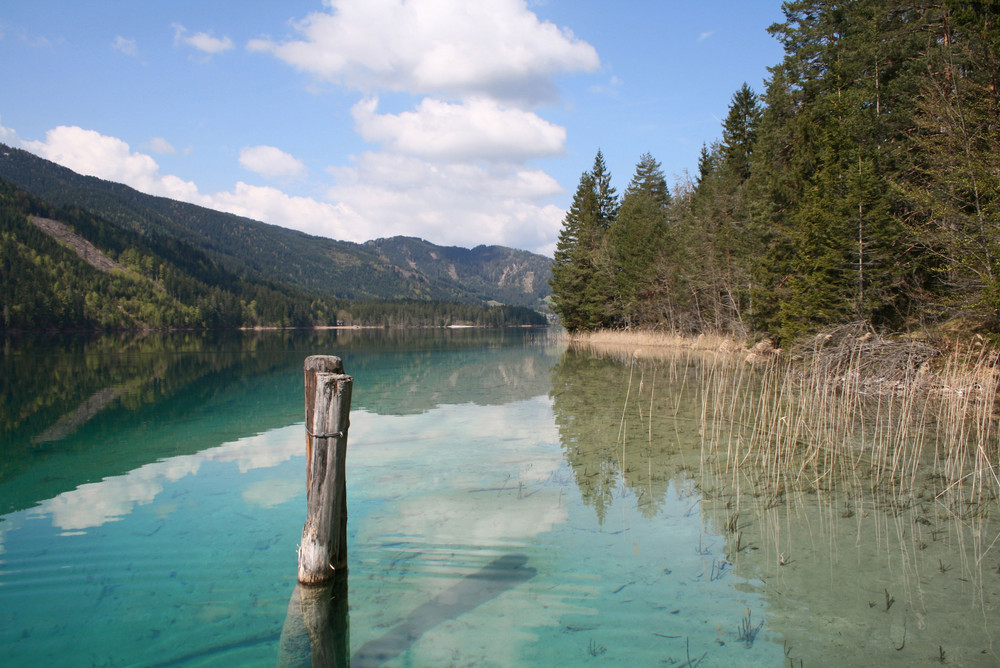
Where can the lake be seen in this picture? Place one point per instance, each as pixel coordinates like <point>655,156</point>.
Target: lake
<point>512,502</point>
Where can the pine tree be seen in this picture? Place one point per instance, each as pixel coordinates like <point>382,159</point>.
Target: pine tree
<point>952,186</point>
<point>607,199</point>
<point>580,271</point>
<point>638,239</point>
<point>739,132</point>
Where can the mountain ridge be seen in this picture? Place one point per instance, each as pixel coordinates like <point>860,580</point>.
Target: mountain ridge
<point>391,268</point>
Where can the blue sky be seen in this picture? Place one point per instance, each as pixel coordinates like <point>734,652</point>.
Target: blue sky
<point>462,122</point>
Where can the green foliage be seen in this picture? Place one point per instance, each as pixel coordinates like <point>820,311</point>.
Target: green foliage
<point>739,132</point>
<point>862,185</point>
<point>394,269</point>
<point>166,283</point>
<point>582,278</point>
<point>639,237</point>
<point>952,186</point>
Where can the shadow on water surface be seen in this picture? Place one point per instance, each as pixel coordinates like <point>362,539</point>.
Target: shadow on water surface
<point>317,627</point>
<point>500,575</point>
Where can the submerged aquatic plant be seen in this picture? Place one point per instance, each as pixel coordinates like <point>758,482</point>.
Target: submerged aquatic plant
<point>747,631</point>
<point>596,650</point>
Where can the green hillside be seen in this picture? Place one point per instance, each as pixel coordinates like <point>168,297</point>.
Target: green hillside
<point>68,269</point>
<point>393,269</point>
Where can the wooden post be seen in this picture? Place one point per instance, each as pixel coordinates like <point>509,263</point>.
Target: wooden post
<point>323,549</point>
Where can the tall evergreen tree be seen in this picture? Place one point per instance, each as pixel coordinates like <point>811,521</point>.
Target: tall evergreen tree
<point>739,132</point>
<point>581,272</point>
<point>638,238</point>
<point>953,187</point>
<point>837,108</point>
<point>607,199</point>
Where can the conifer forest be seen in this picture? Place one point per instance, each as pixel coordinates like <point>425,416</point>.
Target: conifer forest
<point>862,184</point>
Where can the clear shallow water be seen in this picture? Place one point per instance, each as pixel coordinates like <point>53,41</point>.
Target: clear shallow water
<point>505,509</point>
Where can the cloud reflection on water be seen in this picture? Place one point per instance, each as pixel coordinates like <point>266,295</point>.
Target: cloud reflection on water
<point>93,504</point>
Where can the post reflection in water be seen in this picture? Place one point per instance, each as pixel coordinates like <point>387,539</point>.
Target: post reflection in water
<point>317,629</point>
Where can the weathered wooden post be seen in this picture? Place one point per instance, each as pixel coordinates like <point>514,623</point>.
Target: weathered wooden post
<point>323,549</point>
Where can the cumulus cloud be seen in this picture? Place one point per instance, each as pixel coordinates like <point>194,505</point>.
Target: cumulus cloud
<point>452,203</point>
<point>479,129</point>
<point>202,41</point>
<point>452,169</point>
<point>270,161</point>
<point>274,206</point>
<point>381,194</point>
<point>493,48</point>
<point>129,47</point>
<point>91,153</point>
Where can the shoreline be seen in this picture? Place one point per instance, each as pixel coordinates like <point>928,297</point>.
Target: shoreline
<point>850,356</point>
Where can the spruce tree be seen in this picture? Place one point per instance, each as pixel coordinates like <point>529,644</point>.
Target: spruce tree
<point>739,132</point>
<point>638,239</point>
<point>581,273</point>
<point>953,187</point>
<point>607,199</point>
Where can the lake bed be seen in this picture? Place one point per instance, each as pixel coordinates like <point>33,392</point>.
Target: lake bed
<point>511,502</point>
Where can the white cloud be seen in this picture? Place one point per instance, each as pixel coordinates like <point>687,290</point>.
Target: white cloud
<point>496,48</point>
<point>129,47</point>
<point>161,146</point>
<point>202,41</point>
<point>478,129</point>
<point>379,195</point>
<point>273,206</point>
<point>270,161</point>
<point>91,153</point>
<point>9,136</point>
<point>35,41</point>
<point>610,88</point>
<point>459,204</point>
<point>705,35</point>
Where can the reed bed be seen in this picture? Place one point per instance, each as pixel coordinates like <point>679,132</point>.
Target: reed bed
<point>848,410</point>
<point>647,343</point>
<point>850,470</point>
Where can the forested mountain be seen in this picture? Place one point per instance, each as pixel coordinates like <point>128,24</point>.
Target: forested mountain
<point>863,184</point>
<point>492,273</point>
<point>386,269</point>
<point>66,268</point>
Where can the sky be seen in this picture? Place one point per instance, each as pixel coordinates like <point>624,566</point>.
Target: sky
<point>462,122</point>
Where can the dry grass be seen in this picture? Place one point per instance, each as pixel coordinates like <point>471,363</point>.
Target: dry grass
<point>849,410</point>
<point>647,344</point>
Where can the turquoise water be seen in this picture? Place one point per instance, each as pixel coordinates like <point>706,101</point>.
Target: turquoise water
<point>504,509</point>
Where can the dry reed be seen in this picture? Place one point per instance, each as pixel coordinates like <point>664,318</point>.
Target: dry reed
<point>846,410</point>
